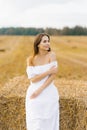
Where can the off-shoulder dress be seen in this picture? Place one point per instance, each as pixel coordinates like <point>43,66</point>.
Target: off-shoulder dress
<point>42,112</point>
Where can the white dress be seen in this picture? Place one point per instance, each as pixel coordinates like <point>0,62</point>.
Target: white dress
<point>42,112</point>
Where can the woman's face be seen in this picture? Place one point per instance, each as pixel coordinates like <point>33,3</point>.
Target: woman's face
<point>45,43</point>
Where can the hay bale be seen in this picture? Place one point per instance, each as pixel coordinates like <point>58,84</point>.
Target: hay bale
<point>73,104</point>
<point>12,104</point>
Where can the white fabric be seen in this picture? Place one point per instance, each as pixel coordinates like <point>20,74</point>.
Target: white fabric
<point>42,112</point>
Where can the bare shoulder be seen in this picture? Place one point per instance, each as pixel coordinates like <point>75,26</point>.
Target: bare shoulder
<point>29,60</point>
<point>52,56</point>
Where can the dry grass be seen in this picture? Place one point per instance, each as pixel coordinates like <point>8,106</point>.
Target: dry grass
<point>13,62</point>
<point>71,80</point>
<point>71,55</point>
<point>73,104</point>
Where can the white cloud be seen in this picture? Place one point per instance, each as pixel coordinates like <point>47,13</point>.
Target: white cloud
<point>51,13</point>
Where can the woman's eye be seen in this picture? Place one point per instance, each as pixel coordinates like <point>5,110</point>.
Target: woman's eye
<point>45,41</point>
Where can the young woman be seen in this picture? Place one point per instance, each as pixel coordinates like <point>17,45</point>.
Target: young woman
<point>42,97</point>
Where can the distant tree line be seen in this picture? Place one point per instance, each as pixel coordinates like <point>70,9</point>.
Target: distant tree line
<point>77,30</point>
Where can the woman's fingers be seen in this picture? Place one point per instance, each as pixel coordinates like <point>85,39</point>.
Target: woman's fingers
<point>32,96</point>
<point>36,93</point>
<point>53,69</point>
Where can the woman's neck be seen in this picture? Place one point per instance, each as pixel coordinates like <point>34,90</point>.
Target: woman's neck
<point>42,52</point>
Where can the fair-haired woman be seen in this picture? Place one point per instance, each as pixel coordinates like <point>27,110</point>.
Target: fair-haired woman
<point>42,97</point>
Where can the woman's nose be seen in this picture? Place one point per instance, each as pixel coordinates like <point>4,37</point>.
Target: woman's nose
<point>48,43</point>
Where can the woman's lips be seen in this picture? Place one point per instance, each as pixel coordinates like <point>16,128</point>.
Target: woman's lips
<point>46,46</point>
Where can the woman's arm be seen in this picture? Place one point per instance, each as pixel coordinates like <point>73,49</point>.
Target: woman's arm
<point>46,83</point>
<point>40,89</point>
<point>39,77</point>
<point>52,76</point>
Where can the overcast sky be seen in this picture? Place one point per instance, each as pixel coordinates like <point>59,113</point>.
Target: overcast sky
<point>46,13</point>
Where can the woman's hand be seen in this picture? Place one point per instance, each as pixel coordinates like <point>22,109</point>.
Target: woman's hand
<point>53,70</point>
<point>36,93</point>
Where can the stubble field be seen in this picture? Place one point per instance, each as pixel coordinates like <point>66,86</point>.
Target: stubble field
<point>71,54</point>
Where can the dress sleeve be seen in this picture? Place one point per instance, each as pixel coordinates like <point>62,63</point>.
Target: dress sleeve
<point>55,63</point>
<point>30,72</point>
